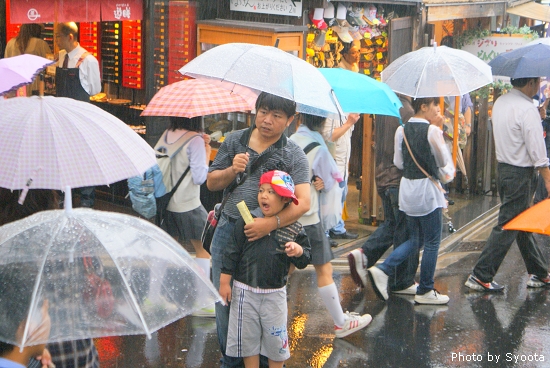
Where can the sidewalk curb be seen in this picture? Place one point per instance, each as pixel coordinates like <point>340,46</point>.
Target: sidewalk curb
<point>448,245</point>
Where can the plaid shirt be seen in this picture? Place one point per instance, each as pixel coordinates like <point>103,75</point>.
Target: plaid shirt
<point>74,354</point>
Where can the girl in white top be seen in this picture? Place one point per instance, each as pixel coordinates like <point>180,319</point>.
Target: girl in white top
<point>186,216</point>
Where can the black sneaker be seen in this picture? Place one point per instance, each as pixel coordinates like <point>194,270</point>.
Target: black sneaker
<point>476,284</point>
<point>333,243</point>
<point>346,235</point>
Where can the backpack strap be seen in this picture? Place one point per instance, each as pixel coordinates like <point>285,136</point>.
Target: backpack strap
<point>188,167</point>
<point>309,147</point>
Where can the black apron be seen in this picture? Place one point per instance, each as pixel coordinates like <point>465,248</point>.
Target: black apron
<point>67,82</point>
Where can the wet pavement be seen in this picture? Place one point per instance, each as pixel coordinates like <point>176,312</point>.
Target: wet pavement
<point>509,329</point>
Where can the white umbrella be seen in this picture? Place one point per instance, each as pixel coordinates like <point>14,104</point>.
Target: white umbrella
<point>59,142</point>
<point>102,274</point>
<point>268,69</point>
<point>437,71</point>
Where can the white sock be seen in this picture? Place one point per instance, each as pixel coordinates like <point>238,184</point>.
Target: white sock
<point>204,264</point>
<point>330,297</point>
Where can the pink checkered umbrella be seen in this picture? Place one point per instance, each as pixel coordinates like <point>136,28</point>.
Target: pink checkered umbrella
<point>197,97</point>
<point>20,70</point>
<point>59,142</point>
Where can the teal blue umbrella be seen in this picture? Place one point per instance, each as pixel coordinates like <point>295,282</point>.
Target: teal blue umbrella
<point>361,94</point>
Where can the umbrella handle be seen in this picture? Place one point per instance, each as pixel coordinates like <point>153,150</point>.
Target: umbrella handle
<point>68,201</point>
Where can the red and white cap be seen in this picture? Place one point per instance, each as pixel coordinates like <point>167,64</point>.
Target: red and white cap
<point>281,183</point>
<point>316,17</point>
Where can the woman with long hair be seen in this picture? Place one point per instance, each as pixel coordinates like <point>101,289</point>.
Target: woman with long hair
<point>28,41</point>
<point>186,216</point>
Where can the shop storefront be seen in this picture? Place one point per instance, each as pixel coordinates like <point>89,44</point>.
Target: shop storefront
<point>139,44</point>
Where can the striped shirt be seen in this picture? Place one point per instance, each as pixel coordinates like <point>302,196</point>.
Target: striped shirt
<point>288,157</point>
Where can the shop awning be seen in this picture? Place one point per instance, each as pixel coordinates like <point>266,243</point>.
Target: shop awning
<point>532,10</point>
<point>40,11</point>
<point>439,10</point>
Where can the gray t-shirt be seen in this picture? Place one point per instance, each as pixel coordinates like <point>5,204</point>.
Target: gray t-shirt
<point>288,157</point>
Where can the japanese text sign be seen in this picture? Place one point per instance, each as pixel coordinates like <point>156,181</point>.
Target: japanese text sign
<point>488,48</point>
<point>281,7</point>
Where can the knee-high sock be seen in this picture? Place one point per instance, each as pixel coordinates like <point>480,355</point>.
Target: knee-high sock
<point>330,297</point>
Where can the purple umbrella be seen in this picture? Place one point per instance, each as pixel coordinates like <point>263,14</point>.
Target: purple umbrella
<point>20,70</point>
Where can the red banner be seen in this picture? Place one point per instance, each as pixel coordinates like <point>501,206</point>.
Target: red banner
<point>31,11</point>
<point>117,10</point>
<point>41,11</point>
<point>78,11</point>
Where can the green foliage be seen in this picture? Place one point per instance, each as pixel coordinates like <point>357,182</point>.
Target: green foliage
<point>525,30</point>
<point>469,35</point>
<point>485,91</point>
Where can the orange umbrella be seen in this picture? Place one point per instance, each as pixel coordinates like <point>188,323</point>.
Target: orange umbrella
<point>197,97</point>
<point>534,219</point>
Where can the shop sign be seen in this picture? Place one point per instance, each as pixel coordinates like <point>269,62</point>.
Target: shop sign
<point>117,10</point>
<point>40,11</point>
<point>488,48</point>
<point>280,7</point>
<point>78,11</point>
<point>31,11</point>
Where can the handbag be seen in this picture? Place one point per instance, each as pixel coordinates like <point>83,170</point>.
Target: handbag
<point>214,215</point>
<point>436,183</point>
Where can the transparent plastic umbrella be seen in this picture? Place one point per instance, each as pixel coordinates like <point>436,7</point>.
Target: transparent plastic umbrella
<point>437,71</point>
<point>268,69</point>
<point>99,273</point>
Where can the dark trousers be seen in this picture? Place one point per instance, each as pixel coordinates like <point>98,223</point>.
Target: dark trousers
<point>516,186</point>
<point>392,231</point>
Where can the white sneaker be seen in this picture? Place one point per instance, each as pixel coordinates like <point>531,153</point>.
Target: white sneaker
<point>205,312</point>
<point>352,322</point>
<point>379,282</point>
<point>358,267</point>
<point>411,290</point>
<point>431,297</point>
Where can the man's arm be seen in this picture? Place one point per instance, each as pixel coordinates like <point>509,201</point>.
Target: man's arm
<point>341,130</point>
<point>220,179</point>
<point>263,226</point>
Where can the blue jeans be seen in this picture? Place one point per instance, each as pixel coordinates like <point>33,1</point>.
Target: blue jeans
<point>340,227</point>
<point>222,236</point>
<point>423,231</point>
<point>392,231</point>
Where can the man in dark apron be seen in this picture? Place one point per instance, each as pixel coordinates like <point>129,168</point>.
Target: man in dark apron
<point>76,76</point>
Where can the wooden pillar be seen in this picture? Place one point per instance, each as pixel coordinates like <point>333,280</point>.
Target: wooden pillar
<point>420,22</point>
<point>367,182</point>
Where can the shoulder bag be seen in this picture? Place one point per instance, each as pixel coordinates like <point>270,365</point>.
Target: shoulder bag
<point>436,183</point>
<point>214,215</point>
